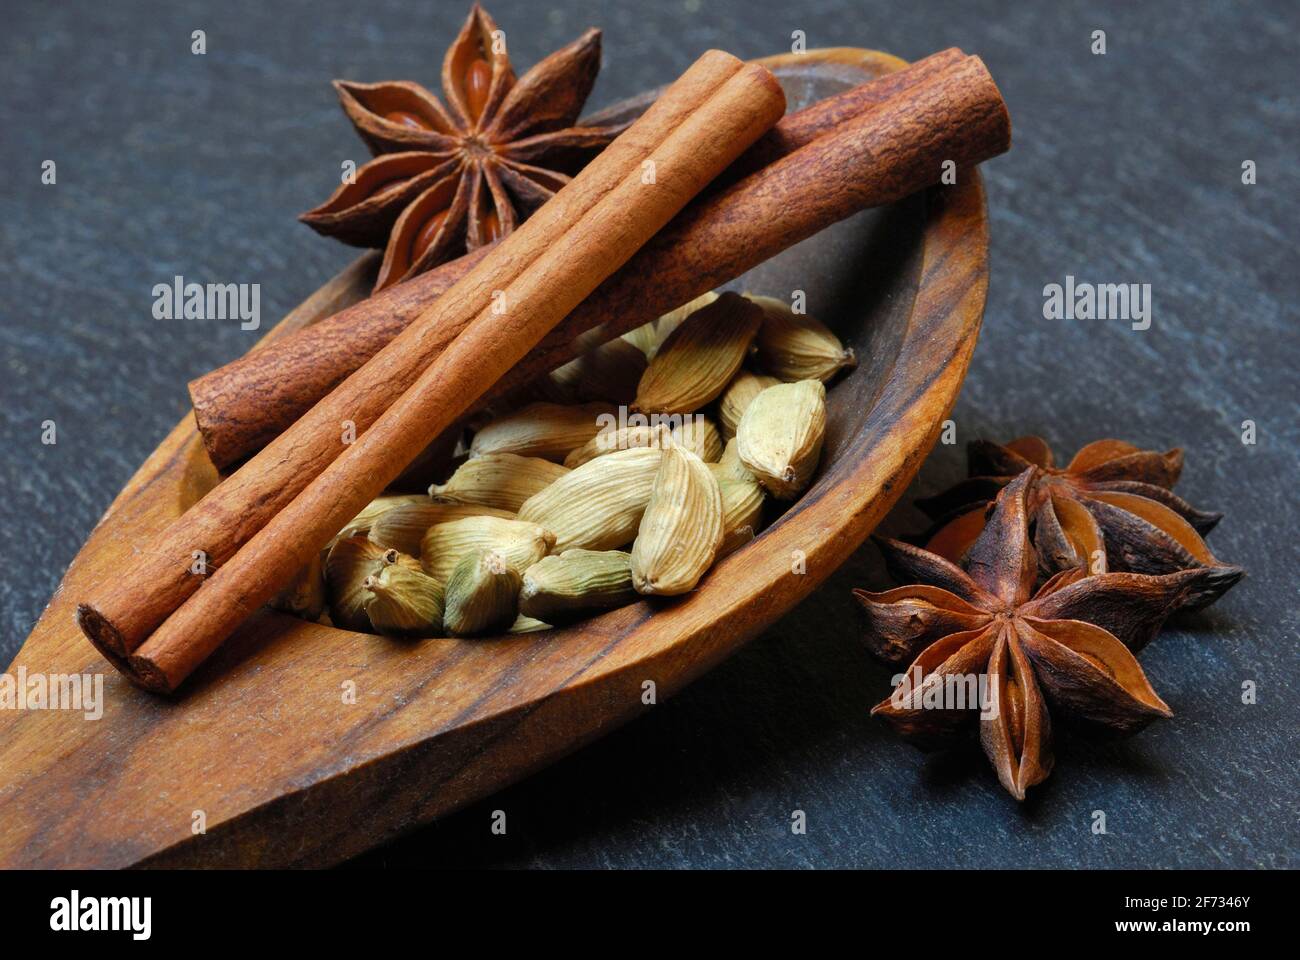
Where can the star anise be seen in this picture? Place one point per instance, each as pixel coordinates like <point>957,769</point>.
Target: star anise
<point>1065,647</point>
<point>1110,508</point>
<point>448,179</point>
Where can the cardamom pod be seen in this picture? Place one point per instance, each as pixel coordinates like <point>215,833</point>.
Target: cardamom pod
<point>742,508</point>
<point>681,530</point>
<point>644,338</point>
<point>622,438</point>
<point>482,594</point>
<point>404,526</point>
<point>670,321</point>
<point>500,480</point>
<point>598,505</point>
<point>377,507</point>
<point>404,602</point>
<point>547,430</point>
<point>697,434</point>
<point>609,371</point>
<point>519,543</point>
<point>557,588</point>
<point>305,595</point>
<point>795,346</point>
<point>525,624</point>
<point>729,465</point>
<point>744,387</point>
<point>780,436</point>
<point>347,565</point>
<point>699,358</point>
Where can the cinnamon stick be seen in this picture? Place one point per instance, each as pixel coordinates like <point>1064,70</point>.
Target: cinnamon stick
<point>241,407</point>
<point>588,230</point>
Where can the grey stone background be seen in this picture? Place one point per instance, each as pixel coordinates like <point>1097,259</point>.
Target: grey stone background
<point>1126,168</point>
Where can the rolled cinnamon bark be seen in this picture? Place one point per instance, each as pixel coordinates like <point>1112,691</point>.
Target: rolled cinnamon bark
<point>241,407</point>
<point>122,611</point>
<point>517,294</point>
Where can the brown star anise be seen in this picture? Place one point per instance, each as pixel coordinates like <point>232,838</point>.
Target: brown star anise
<point>1110,508</point>
<point>448,179</point>
<point>1066,647</point>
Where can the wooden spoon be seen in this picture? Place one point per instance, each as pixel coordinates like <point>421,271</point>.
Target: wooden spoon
<point>302,745</point>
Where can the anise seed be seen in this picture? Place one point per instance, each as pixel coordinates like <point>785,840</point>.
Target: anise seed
<point>405,119</point>
<point>1099,664</point>
<point>478,81</point>
<point>426,234</point>
<point>382,185</point>
<point>491,226</point>
<point>1014,706</point>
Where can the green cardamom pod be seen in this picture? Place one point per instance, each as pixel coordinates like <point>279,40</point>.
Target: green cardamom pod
<point>557,588</point>
<point>482,595</point>
<point>404,602</point>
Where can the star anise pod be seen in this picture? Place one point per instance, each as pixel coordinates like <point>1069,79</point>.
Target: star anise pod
<point>1110,508</point>
<point>1064,649</point>
<point>447,179</point>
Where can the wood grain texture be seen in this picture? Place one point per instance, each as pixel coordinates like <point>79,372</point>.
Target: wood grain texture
<point>286,773</point>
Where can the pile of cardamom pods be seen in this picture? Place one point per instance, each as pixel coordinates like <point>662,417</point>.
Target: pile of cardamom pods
<point>668,440</point>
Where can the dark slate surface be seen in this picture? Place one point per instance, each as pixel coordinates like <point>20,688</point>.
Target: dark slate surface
<point>1126,168</point>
